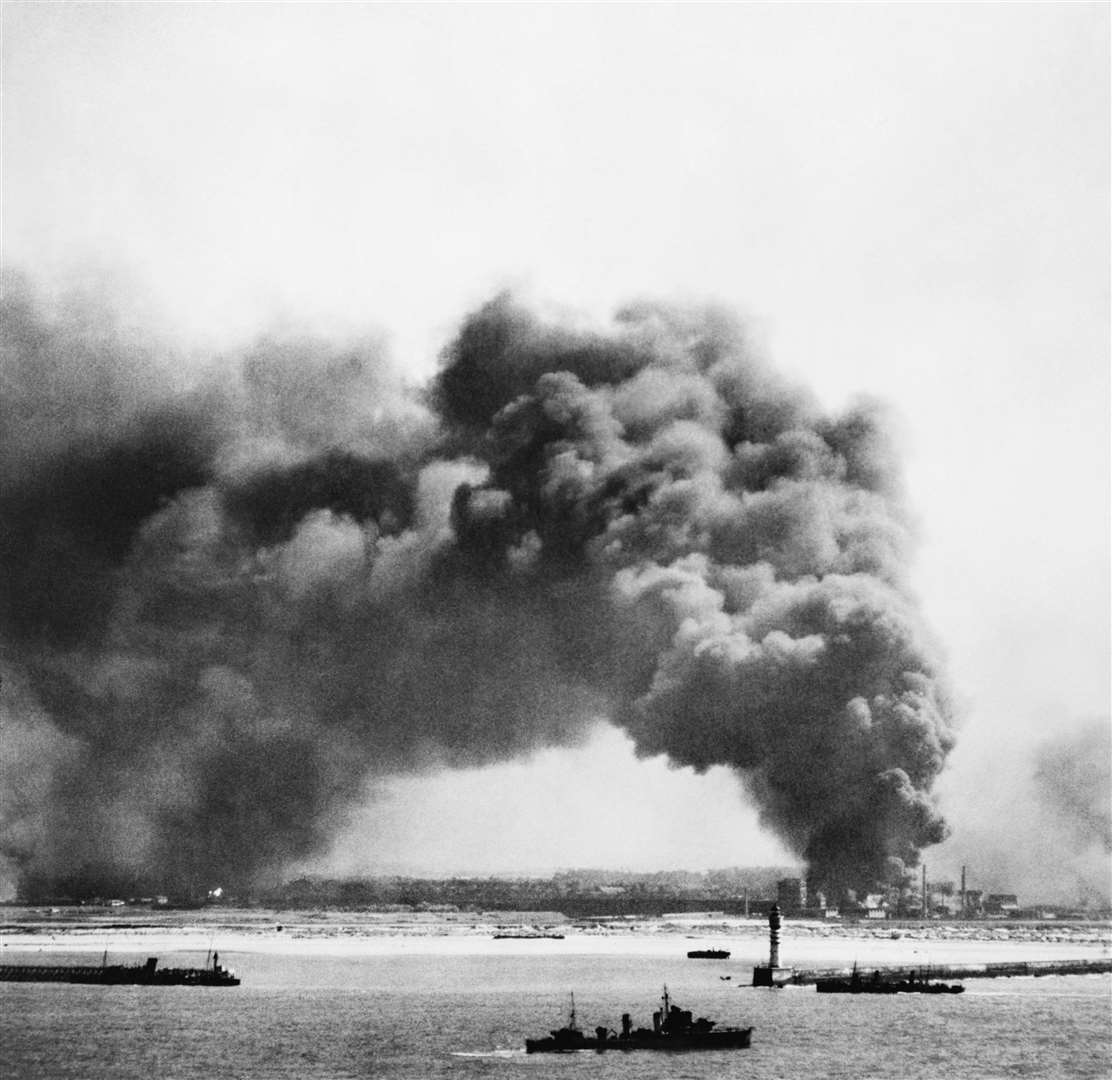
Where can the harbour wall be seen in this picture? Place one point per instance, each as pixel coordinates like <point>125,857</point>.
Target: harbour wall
<point>804,976</point>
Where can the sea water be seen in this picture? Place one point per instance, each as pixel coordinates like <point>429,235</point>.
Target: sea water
<point>433,1015</point>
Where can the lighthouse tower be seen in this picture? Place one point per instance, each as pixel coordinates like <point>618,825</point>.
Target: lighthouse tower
<point>770,974</point>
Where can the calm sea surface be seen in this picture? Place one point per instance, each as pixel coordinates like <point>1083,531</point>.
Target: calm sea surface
<point>467,1016</point>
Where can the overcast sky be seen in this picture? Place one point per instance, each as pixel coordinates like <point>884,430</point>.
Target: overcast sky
<point>910,201</point>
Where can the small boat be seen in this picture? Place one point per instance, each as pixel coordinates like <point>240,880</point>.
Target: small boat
<point>709,954</point>
<point>673,1029</point>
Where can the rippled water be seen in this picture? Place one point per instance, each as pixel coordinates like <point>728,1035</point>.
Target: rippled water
<point>467,1016</point>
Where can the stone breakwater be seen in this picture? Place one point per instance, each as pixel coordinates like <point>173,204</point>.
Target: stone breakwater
<point>1083,933</point>
<point>1036,968</point>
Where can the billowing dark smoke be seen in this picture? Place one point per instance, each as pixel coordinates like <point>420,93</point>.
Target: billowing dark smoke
<point>227,603</point>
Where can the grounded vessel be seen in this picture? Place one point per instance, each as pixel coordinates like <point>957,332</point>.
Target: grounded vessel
<point>148,974</point>
<point>673,1029</point>
<point>527,936</point>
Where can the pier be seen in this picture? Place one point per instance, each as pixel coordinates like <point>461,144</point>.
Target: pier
<point>806,976</point>
<point>773,975</point>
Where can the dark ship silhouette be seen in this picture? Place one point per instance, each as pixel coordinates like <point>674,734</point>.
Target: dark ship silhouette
<point>148,974</point>
<point>673,1029</point>
<point>878,985</point>
<point>709,954</point>
<point>527,936</point>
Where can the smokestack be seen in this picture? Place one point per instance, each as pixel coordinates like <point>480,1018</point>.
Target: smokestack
<point>963,913</point>
<point>923,894</point>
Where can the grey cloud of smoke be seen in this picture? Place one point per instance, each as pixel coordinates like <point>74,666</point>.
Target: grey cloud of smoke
<point>1073,775</point>
<point>1035,819</point>
<point>229,600</point>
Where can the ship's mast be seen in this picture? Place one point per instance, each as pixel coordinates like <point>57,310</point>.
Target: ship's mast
<point>665,999</point>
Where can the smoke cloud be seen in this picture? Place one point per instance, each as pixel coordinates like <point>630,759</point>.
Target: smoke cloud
<point>229,600</point>
<point>1073,775</point>
<point>1036,820</point>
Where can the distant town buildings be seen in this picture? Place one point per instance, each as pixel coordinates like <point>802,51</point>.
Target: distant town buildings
<point>791,895</point>
<point>749,891</point>
<point>1001,904</point>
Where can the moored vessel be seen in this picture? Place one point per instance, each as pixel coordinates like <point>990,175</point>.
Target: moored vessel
<point>915,985</point>
<point>527,936</point>
<point>879,985</point>
<point>148,974</point>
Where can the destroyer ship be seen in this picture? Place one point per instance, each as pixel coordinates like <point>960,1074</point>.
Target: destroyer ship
<point>148,974</point>
<point>673,1029</point>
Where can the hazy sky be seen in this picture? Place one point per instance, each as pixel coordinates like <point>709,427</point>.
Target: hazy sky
<point>910,201</point>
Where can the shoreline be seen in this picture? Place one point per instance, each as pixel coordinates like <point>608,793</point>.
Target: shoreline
<point>28,932</point>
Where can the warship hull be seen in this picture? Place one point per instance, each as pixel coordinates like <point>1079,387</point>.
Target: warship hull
<point>736,1039</point>
<point>673,1030</point>
<point>148,974</point>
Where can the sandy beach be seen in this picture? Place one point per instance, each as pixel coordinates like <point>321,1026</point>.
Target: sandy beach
<point>803,944</point>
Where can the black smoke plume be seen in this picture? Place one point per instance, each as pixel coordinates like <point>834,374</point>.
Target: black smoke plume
<point>228,600</point>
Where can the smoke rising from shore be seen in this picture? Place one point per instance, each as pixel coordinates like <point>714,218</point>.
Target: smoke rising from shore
<point>230,600</point>
<point>1073,780</point>
<point>1035,819</point>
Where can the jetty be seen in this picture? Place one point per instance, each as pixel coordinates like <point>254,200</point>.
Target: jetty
<point>806,976</point>
<point>773,975</point>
